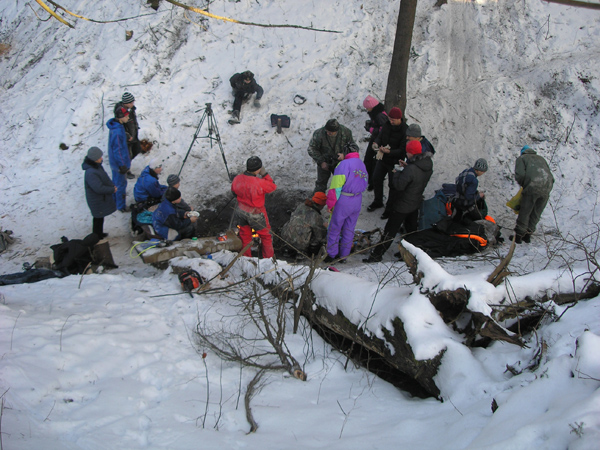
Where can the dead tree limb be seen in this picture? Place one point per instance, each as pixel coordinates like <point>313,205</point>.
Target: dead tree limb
<point>499,273</point>
<point>251,391</point>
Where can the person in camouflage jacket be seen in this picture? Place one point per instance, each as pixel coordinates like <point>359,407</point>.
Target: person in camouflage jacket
<point>326,148</point>
<point>305,232</point>
<point>535,177</point>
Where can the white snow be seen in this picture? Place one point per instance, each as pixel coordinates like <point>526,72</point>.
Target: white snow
<point>110,361</point>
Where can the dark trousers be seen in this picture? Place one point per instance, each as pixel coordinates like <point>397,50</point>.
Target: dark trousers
<point>322,179</point>
<point>238,99</point>
<point>370,161</point>
<point>392,227</point>
<point>98,226</point>
<point>379,173</point>
<point>531,209</point>
<point>187,232</point>
<point>135,148</point>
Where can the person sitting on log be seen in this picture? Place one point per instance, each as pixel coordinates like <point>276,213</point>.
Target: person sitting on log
<point>171,223</point>
<point>147,189</point>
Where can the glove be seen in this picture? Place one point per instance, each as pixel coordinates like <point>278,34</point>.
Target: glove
<point>375,146</point>
<point>379,155</point>
<point>262,172</point>
<point>368,125</point>
<point>123,170</point>
<point>257,103</point>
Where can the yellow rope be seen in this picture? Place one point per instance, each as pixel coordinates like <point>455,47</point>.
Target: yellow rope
<point>53,14</point>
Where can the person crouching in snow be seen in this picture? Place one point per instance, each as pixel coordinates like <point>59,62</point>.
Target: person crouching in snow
<point>250,189</point>
<point>344,197</point>
<point>118,155</point>
<point>147,188</point>
<point>306,232</point>
<point>172,223</point>
<point>410,184</point>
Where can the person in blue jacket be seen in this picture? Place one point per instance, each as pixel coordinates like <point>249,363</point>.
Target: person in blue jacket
<point>118,155</point>
<point>147,188</point>
<point>469,202</point>
<point>172,223</point>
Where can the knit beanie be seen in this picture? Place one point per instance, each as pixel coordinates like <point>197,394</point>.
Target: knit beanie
<point>121,112</point>
<point>94,153</point>
<point>253,164</point>
<point>414,130</point>
<point>395,113</point>
<point>155,163</point>
<point>319,198</point>
<point>127,98</point>
<point>481,165</point>
<point>525,147</point>
<point>332,125</point>
<point>413,148</point>
<point>172,180</point>
<point>370,102</point>
<point>172,194</point>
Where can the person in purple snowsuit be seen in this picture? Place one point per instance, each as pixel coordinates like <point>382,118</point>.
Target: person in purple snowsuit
<point>349,181</point>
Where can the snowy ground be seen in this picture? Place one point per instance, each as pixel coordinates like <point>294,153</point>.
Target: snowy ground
<point>107,365</point>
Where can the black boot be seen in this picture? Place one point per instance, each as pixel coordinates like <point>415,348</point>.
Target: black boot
<point>527,238</point>
<point>518,238</point>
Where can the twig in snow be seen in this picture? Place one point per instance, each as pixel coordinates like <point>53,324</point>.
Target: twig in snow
<point>13,330</point>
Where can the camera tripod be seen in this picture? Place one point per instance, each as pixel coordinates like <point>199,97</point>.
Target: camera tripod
<point>213,135</point>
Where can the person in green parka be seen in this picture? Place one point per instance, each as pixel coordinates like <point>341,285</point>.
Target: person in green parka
<point>535,177</point>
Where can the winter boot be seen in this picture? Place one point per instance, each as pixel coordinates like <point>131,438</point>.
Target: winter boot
<point>527,238</point>
<point>235,117</point>
<point>518,238</point>
<point>373,206</point>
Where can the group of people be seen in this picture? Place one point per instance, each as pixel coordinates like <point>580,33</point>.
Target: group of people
<point>395,149</point>
<point>173,219</point>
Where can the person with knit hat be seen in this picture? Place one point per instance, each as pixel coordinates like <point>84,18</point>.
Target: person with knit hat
<point>469,204</point>
<point>172,223</point>
<point>244,85</point>
<point>118,155</point>
<point>377,118</point>
<point>535,177</point>
<point>326,148</point>
<point>99,190</point>
<point>147,189</point>
<point>250,188</point>
<point>413,133</point>
<point>390,146</point>
<point>174,181</point>
<point>305,232</point>
<point>409,183</point>
<point>131,127</point>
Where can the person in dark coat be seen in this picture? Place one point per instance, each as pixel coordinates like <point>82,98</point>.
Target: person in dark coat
<point>390,145</point>
<point>118,156</point>
<point>174,181</point>
<point>147,188</point>
<point>131,127</point>
<point>99,190</point>
<point>326,148</point>
<point>410,183</point>
<point>172,223</point>
<point>377,118</point>
<point>413,133</point>
<point>74,256</point>
<point>535,177</point>
<point>469,203</point>
<point>244,85</point>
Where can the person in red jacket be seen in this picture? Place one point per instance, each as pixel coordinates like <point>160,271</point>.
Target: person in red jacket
<point>250,189</point>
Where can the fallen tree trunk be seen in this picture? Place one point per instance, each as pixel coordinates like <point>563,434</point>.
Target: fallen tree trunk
<point>402,358</point>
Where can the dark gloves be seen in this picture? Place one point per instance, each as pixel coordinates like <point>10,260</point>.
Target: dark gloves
<point>123,170</point>
<point>368,125</point>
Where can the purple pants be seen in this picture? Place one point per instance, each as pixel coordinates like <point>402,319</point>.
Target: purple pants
<point>343,222</point>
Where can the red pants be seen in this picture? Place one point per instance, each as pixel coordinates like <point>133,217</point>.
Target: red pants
<point>266,240</point>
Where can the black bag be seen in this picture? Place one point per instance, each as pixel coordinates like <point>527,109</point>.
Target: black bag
<point>285,120</point>
<point>74,256</point>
